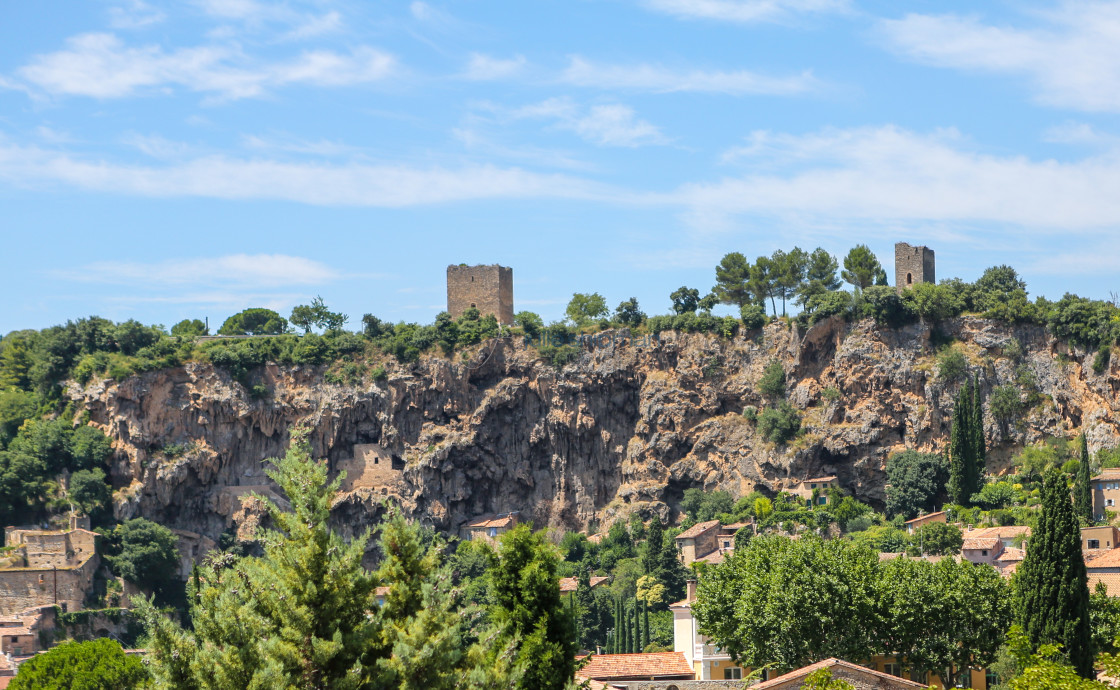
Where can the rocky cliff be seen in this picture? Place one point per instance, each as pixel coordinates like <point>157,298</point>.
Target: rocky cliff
<point>628,425</point>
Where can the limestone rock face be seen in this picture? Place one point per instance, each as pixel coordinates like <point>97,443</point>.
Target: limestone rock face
<point>626,426</point>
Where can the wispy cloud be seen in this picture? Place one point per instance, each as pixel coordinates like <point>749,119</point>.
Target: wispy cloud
<point>101,66</point>
<point>745,11</point>
<point>156,146</point>
<point>290,144</point>
<point>659,79</point>
<point>249,270</point>
<point>1071,61</point>
<point>134,14</point>
<point>313,26</point>
<point>343,184</point>
<point>486,68</point>
<point>877,176</point>
<point>606,125</point>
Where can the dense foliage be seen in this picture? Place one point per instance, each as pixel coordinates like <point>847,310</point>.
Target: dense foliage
<point>95,665</point>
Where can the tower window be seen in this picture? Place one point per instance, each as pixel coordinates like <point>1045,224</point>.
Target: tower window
<point>909,279</point>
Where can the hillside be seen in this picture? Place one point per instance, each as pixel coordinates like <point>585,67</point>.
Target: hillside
<point>623,427</point>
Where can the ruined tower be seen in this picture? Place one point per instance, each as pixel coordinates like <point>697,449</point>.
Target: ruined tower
<point>912,265</point>
<point>487,288</point>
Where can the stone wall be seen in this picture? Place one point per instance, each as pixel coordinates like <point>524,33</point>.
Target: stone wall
<point>371,467</point>
<point>913,265</point>
<point>24,588</point>
<point>486,288</point>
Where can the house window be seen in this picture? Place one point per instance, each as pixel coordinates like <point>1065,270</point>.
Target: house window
<point>1108,502</point>
<point>1094,543</point>
<point>727,545</point>
<point>493,532</point>
<point>919,676</point>
<point>991,679</point>
<point>964,679</point>
<point>822,500</point>
<point>892,669</point>
<point>732,674</point>
<point>812,486</point>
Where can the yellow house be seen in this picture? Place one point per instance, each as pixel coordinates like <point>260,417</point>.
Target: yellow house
<point>817,485</point>
<point>1106,491</point>
<point>913,525</point>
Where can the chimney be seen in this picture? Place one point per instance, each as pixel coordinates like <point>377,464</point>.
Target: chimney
<point>691,591</point>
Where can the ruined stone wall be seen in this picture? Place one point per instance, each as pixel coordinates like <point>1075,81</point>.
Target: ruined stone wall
<point>370,467</point>
<point>24,588</point>
<point>486,288</point>
<point>913,265</point>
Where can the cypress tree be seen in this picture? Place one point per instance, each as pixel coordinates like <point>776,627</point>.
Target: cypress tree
<point>625,628</point>
<point>978,445</point>
<point>958,448</point>
<point>1051,588</point>
<point>645,625</point>
<point>637,629</point>
<point>1082,494</point>
<point>654,539</point>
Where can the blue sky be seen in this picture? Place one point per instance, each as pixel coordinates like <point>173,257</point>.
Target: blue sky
<point>161,161</point>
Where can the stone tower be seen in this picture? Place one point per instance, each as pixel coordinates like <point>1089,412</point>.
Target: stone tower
<point>487,288</point>
<point>912,265</point>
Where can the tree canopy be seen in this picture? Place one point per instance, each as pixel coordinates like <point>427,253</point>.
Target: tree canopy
<point>254,321</point>
<point>95,665</point>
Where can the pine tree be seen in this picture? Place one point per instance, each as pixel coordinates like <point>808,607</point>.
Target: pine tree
<point>1051,590</point>
<point>1082,494</point>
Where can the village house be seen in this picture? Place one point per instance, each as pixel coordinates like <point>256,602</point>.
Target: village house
<point>1104,567</point>
<point>19,634</point>
<point>814,491</point>
<point>922,520</point>
<point>568,585</point>
<point>47,567</point>
<point>707,542</point>
<point>859,677</point>
<point>1106,491</point>
<point>488,527</point>
<point>707,661</point>
<point>619,670</point>
<point>1099,538</point>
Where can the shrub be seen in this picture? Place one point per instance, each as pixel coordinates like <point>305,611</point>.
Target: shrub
<point>752,316</point>
<point>750,413</point>
<point>1104,356</point>
<point>780,423</point>
<point>932,302</point>
<point>831,394</point>
<point>884,305</point>
<point>379,374</point>
<point>772,384</point>
<point>951,365</point>
<point>824,305</point>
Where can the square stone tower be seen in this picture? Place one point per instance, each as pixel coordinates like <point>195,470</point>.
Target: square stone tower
<point>912,265</point>
<point>487,288</point>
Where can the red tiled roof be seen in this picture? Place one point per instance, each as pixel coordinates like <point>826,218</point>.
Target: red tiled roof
<point>926,517</point>
<point>1008,532</point>
<point>895,681</point>
<point>1011,555</point>
<point>637,666</point>
<point>698,529</point>
<point>820,479</point>
<point>1109,473</point>
<point>569,584</point>
<point>982,543</point>
<point>1109,559</point>
<point>1111,582</point>
<point>503,520</point>
<point>381,592</point>
<point>714,558</point>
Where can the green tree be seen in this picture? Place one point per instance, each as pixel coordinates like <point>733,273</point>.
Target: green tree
<point>89,448</point>
<point>529,322</point>
<point>95,665</point>
<point>914,482</point>
<point>789,602</point>
<point>966,447</point>
<point>752,316</point>
<point>529,612</point>
<point>1082,491</point>
<point>16,360</point>
<point>997,286</point>
<point>822,679</point>
<point>861,268</point>
<point>1051,590</point>
<point>1006,404</point>
<point>820,277</point>
<point>15,407</point>
<point>306,316</point>
<point>651,559</point>
<point>789,273</point>
<point>628,313</point>
<point>932,303</point>
<point>733,276</point>
<point>686,299</point>
<point>779,423</point>
<point>189,328</point>
<point>143,552</point>
<point>936,539</point>
<point>772,383</point>
<point>585,308</point>
<point>762,282</point>
<point>89,491</point>
<point>255,321</point>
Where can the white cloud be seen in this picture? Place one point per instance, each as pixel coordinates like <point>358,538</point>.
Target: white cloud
<point>315,26</point>
<point>485,68</point>
<point>870,177</point>
<point>322,147</point>
<point>235,9</point>
<point>1072,62</point>
<point>248,270</point>
<point>100,66</point>
<point>616,125</point>
<point>744,11</point>
<point>606,125</point>
<point>134,14</point>
<point>659,79</point>
<point>351,184</point>
<point>156,146</point>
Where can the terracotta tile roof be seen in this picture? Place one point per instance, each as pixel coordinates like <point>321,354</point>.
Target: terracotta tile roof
<point>987,544</point>
<point>714,558</point>
<point>1109,473</point>
<point>1008,570</point>
<point>698,529</point>
<point>923,518</point>
<point>381,592</point>
<point>734,526</point>
<point>637,666</point>
<point>1008,532</point>
<point>569,584</point>
<point>682,604</point>
<point>1109,559</point>
<point>892,681</point>
<point>1011,555</point>
<point>1111,582</point>
<point>596,538</point>
<point>819,479</point>
<point>484,521</point>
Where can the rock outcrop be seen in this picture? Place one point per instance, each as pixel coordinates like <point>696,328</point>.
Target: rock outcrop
<point>626,426</point>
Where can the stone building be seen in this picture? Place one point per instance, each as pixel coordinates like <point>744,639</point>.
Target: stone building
<point>47,568</point>
<point>912,265</point>
<point>486,288</point>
